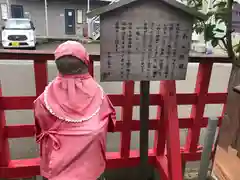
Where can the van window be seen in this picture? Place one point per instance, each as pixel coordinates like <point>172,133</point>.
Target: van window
<point>18,24</point>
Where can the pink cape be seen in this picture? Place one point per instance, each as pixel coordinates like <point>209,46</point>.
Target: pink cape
<point>72,118</point>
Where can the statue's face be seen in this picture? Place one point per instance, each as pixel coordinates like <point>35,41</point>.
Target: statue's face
<point>71,65</point>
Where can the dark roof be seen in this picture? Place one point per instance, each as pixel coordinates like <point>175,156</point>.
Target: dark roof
<point>120,3</point>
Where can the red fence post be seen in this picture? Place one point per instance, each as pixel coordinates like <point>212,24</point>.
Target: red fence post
<point>41,76</point>
<point>172,165</point>
<point>127,110</point>
<point>172,130</point>
<point>201,89</point>
<point>160,134</point>
<point>4,146</point>
<point>91,67</point>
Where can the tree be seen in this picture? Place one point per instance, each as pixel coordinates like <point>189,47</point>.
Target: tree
<point>222,13</point>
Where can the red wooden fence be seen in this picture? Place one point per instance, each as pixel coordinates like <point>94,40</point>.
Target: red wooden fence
<point>165,155</point>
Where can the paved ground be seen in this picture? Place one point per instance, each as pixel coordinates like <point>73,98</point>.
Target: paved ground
<point>93,48</point>
<point>15,74</point>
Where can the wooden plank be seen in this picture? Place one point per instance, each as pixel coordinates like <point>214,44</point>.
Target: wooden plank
<point>168,89</point>
<point>127,111</point>
<point>226,165</point>
<point>201,88</point>
<point>26,102</point>
<point>144,128</point>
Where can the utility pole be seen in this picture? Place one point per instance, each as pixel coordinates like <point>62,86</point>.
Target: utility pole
<point>46,16</point>
<point>88,20</point>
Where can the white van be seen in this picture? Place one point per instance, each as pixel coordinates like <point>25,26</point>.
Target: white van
<point>18,33</point>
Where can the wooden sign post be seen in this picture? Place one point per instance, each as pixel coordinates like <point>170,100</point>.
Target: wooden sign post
<point>144,127</point>
<point>144,41</point>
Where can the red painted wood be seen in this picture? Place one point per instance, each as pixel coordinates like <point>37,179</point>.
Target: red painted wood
<point>41,76</point>
<point>18,131</point>
<point>23,168</point>
<point>30,167</point>
<point>91,67</point>
<point>48,55</point>
<point>172,129</point>
<point>16,103</point>
<point>4,146</point>
<point>216,98</point>
<point>201,88</point>
<point>160,133</point>
<point>162,167</point>
<point>127,110</point>
<point>37,56</point>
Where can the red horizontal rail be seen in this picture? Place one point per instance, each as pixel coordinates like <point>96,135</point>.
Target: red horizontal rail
<point>38,56</point>
<point>21,102</point>
<point>27,130</point>
<point>26,102</point>
<point>41,56</point>
<point>30,167</point>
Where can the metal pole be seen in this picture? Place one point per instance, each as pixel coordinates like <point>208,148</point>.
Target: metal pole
<point>207,150</point>
<point>144,118</point>
<point>46,16</point>
<point>88,20</point>
<point>88,5</point>
<point>8,8</point>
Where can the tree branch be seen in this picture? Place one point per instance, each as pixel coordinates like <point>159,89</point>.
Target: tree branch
<point>229,30</point>
<point>224,43</point>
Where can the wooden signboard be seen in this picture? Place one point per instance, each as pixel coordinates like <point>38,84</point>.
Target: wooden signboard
<point>139,45</point>
<point>146,50</point>
<point>142,41</point>
<point>236,18</point>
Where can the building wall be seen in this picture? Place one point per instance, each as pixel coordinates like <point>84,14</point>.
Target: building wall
<point>34,9</point>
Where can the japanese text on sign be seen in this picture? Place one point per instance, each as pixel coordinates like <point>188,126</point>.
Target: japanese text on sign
<point>150,51</point>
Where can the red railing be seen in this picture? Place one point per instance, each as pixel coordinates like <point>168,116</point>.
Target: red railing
<point>164,154</point>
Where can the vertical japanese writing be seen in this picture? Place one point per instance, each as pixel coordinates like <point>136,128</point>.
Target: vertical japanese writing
<point>137,38</point>
<point>157,39</point>
<point>117,36</point>
<point>165,50</point>
<point>146,50</point>
<point>145,27</point>
<point>129,49</point>
<point>109,63</point>
<point>171,49</point>
<point>150,50</point>
<point>123,32</point>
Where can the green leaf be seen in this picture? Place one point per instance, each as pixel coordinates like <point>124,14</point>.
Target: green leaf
<point>210,13</point>
<point>198,27</point>
<point>221,4</point>
<point>214,42</point>
<point>219,30</point>
<point>209,32</point>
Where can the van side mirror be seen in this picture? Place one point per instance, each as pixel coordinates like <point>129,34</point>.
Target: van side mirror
<point>3,27</point>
